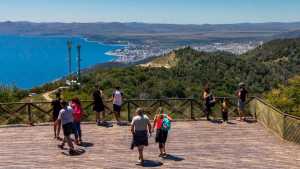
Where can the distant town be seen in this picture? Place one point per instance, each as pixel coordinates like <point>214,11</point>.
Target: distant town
<point>134,53</point>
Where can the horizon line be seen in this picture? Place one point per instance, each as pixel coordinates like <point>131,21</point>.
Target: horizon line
<point>142,22</point>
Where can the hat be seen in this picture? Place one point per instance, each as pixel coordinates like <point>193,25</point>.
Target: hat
<point>241,84</point>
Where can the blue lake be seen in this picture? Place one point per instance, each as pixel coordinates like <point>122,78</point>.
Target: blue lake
<point>32,61</point>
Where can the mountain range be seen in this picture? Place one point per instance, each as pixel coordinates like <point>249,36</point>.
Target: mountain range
<point>163,34</point>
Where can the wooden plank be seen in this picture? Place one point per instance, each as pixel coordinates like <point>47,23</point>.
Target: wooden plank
<point>199,144</point>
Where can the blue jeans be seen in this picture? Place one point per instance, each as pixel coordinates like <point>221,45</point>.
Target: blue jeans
<point>77,129</point>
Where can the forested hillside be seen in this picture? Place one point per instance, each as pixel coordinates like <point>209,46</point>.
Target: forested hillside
<point>261,69</point>
<point>286,97</point>
<point>11,94</point>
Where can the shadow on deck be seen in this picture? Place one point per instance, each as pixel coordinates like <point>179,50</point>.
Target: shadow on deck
<point>191,144</point>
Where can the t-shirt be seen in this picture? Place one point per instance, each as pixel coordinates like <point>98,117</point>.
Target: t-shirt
<point>97,98</point>
<point>117,95</point>
<point>243,94</point>
<point>77,112</point>
<point>159,120</point>
<point>66,115</point>
<point>140,123</point>
<point>56,106</point>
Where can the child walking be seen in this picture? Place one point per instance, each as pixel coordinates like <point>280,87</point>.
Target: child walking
<point>77,114</point>
<point>65,117</point>
<point>162,123</point>
<point>225,108</point>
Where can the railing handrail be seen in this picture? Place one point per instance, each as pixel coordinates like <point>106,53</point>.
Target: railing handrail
<point>174,99</point>
<point>276,109</point>
<point>125,100</point>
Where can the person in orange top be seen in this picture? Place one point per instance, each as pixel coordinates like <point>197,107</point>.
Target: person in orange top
<point>162,122</point>
<point>77,114</point>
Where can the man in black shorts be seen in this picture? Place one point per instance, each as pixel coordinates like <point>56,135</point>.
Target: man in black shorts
<point>65,117</point>
<point>98,107</point>
<point>56,109</point>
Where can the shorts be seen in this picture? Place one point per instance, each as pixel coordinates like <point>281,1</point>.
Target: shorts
<point>161,136</point>
<point>140,138</point>
<point>241,105</point>
<point>68,129</point>
<point>117,108</point>
<point>98,108</point>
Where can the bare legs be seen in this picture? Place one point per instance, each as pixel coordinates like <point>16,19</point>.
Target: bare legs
<point>141,156</point>
<point>162,149</point>
<point>117,115</point>
<point>100,117</point>
<point>56,128</point>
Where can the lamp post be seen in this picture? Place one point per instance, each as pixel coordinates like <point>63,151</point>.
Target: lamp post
<point>69,44</point>
<point>78,62</point>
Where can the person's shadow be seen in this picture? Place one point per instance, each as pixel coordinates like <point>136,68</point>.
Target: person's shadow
<point>150,163</point>
<point>78,152</point>
<point>173,158</point>
<point>86,144</point>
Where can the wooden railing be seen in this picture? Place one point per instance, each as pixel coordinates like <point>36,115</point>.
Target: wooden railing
<point>181,108</point>
<point>282,124</point>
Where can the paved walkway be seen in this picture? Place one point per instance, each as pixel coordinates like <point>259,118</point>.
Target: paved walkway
<point>191,144</point>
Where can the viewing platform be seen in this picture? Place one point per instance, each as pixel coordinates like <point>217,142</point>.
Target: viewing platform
<point>191,144</point>
<point>270,140</point>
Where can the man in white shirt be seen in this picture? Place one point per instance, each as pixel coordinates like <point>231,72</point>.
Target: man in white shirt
<point>117,103</point>
<point>65,117</point>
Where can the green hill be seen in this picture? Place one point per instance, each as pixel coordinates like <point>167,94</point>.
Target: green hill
<point>286,97</point>
<point>11,94</point>
<point>261,69</point>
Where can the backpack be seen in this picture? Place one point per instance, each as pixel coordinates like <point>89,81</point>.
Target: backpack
<point>166,124</point>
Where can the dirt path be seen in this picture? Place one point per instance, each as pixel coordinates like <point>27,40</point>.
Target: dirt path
<point>47,94</point>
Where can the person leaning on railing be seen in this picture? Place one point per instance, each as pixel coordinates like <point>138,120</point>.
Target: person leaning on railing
<point>56,106</point>
<point>242,96</point>
<point>209,102</point>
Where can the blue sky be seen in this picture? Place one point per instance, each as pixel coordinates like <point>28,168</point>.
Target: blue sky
<point>152,11</point>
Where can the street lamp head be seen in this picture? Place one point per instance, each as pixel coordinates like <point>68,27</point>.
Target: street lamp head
<point>69,43</point>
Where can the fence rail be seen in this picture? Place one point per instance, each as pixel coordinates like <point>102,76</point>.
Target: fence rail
<point>282,124</point>
<point>181,108</point>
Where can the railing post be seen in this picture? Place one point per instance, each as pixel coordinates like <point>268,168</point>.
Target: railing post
<point>192,110</point>
<point>29,114</point>
<point>128,111</point>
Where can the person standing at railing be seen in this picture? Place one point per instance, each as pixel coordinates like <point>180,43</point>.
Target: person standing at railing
<point>98,107</point>
<point>162,123</point>
<point>242,96</point>
<point>140,126</point>
<point>117,103</point>
<point>77,114</point>
<point>209,102</point>
<point>56,106</point>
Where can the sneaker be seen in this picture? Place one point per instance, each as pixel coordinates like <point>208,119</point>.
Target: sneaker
<point>160,155</point>
<point>164,154</point>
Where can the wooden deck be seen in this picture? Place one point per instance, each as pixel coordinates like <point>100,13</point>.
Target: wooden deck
<point>192,145</point>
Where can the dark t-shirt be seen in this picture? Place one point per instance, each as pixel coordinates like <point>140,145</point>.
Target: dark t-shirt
<point>97,98</point>
<point>56,106</point>
<point>243,94</point>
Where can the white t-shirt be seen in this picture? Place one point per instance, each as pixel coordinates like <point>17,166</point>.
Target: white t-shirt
<point>140,123</point>
<point>66,115</point>
<point>117,98</point>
